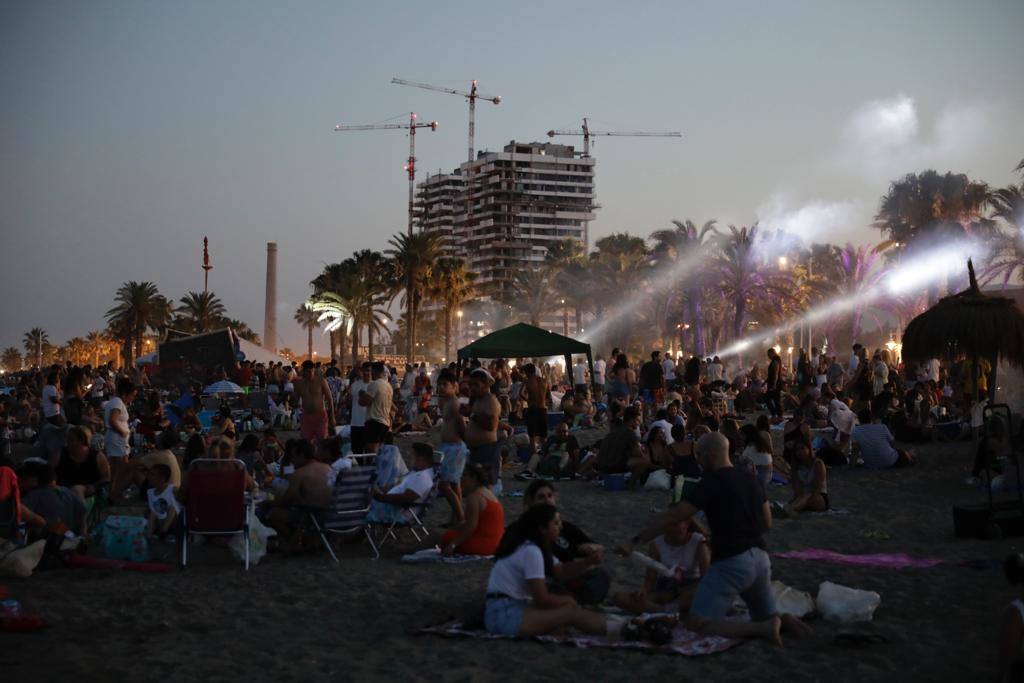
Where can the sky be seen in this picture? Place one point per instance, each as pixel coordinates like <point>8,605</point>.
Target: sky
<point>131,130</point>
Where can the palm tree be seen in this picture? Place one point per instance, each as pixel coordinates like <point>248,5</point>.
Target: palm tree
<point>77,350</point>
<point>619,269</point>
<point>451,284</point>
<point>1008,259</point>
<point>744,280</point>
<point>97,342</point>
<point>413,257</point>
<point>856,279</point>
<point>682,249</point>
<point>35,342</point>
<point>309,321</point>
<point>11,359</point>
<point>352,294</point>
<point>565,263</point>
<point>140,306</point>
<point>533,294</point>
<point>200,312</point>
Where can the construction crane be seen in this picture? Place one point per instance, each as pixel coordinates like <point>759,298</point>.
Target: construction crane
<point>587,134</point>
<point>410,165</point>
<point>472,96</point>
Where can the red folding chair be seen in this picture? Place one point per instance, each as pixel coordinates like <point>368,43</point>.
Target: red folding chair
<point>216,504</point>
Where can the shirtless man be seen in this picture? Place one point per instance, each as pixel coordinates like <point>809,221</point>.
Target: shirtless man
<point>536,406</point>
<point>453,444</point>
<point>307,488</point>
<point>317,404</point>
<point>482,426</point>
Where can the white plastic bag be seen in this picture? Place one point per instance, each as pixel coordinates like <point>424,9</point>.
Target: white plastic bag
<point>789,600</point>
<point>258,535</point>
<point>842,605</point>
<point>658,480</point>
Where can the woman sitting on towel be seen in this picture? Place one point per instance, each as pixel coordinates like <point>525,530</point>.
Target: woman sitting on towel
<point>518,600</point>
<point>481,531</point>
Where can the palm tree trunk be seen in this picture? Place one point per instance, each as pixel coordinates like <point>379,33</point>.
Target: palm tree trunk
<point>332,341</point>
<point>410,315</point>
<point>309,342</point>
<point>355,342</point>
<point>447,333</point>
<point>369,341</point>
<point>696,323</point>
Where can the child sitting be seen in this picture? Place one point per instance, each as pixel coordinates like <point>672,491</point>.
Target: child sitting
<point>685,552</point>
<point>164,509</point>
<point>809,479</point>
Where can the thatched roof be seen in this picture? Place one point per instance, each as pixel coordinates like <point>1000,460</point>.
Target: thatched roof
<point>971,323</point>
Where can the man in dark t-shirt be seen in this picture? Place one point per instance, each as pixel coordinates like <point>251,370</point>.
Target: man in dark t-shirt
<point>739,516</point>
<point>652,382</point>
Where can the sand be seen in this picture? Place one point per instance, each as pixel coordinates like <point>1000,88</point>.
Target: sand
<point>307,619</point>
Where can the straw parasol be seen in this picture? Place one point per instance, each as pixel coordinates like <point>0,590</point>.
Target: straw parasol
<point>971,323</point>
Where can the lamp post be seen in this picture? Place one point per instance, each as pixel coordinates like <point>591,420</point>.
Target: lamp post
<point>458,328</point>
<point>565,319</point>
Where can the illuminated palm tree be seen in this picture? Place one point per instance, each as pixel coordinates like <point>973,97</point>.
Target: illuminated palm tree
<point>77,350</point>
<point>744,279</point>
<point>139,307</point>
<point>11,359</point>
<point>451,284</point>
<point>682,250</point>
<point>35,343</point>
<point>351,295</point>
<point>200,312</point>
<point>413,256</point>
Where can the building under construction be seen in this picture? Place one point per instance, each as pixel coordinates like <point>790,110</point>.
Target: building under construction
<point>501,211</point>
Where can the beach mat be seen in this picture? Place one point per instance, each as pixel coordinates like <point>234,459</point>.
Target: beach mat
<point>684,642</point>
<point>434,556</point>
<point>883,560</point>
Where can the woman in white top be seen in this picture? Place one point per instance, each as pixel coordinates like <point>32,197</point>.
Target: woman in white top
<point>518,601</point>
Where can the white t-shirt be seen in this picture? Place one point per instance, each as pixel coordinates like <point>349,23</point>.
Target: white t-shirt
<point>380,409</point>
<point>115,444</point>
<point>420,481</point>
<point>715,371</point>
<point>50,409</point>
<point>756,457</point>
<point>579,373</point>
<point>161,503</point>
<point>666,429</point>
<point>854,362</point>
<point>933,370</point>
<point>681,558</point>
<point>599,367</point>
<point>358,411</point>
<point>510,574</point>
<point>669,366</point>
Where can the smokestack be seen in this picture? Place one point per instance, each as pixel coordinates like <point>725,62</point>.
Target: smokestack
<point>270,310</point>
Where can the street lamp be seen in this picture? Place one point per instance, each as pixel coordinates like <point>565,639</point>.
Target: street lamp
<point>783,262</point>
<point>565,319</point>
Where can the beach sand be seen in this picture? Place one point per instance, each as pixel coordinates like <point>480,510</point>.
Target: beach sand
<point>307,619</point>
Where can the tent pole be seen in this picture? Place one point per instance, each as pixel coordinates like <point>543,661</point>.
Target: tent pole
<point>568,371</point>
<point>593,385</point>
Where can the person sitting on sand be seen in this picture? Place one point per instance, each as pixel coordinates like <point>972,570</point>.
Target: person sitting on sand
<point>620,450</point>
<point>581,557</point>
<point>307,489</point>
<point>82,468</point>
<point>163,511</point>
<point>684,551</point>
<point>484,523</point>
<point>876,444</point>
<point>559,455</point>
<point>739,516</point>
<point>62,509</point>
<point>413,489</point>
<point>758,452</point>
<point>809,479</point>
<point>518,600</point>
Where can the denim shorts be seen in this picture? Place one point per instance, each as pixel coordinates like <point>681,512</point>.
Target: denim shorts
<point>747,576</point>
<point>502,616</point>
<point>454,462</point>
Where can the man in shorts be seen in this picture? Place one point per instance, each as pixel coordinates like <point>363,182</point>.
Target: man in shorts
<point>739,515</point>
<point>317,404</point>
<point>482,425</point>
<point>378,397</point>
<point>537,391</point>
<point>453,444</point>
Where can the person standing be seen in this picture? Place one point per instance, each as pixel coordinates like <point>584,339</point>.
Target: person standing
<point>579,375</point>
<point>482,426</point>
<point>117,438</point>
<point>379,398</point>
<point>453,444</point>
<point>316,402</point>
<point>772,395</point>
<point>652,383</point>
<point>537,391</point>
<point>357,423</point>
<point>599,378</point>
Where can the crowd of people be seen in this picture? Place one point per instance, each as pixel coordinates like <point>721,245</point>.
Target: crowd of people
<point>703,427</point>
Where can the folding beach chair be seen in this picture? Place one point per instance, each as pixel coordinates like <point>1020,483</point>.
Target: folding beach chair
<point>411,516</point>
<point>217,504</point>
<point>350,503</point>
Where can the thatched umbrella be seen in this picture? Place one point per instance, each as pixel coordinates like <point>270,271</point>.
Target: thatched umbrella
<point>971,323</point>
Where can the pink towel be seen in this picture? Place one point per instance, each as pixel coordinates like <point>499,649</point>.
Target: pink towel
<point>887,560</point>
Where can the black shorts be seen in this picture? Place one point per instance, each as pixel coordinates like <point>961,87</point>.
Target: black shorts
<point>374,432</point>
<point>537,422</point>
<point>357,435</point>
<point>488,456</point>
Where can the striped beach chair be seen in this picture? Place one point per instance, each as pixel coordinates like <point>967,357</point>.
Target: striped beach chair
<point>350,503</point>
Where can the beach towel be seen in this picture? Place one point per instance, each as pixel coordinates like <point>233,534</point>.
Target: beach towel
<point>884,560</point>
<point>434,556</point>
<point>684,642</point>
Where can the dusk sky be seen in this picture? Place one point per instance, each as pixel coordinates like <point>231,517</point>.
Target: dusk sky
<point>129,130</point>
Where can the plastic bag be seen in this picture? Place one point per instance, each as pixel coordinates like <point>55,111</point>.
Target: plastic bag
<point>789,600</point>
<point>258,535</point>
<point>843,605</point>
<point>18,560</point>
<point>658,480</point>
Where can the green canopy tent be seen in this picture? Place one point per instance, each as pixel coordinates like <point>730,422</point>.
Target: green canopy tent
<point>522,340</point>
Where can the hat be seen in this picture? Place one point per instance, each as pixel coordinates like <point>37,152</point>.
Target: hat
<point>480,372</point>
